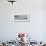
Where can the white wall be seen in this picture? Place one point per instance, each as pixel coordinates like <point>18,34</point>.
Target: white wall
<point>36,27</point>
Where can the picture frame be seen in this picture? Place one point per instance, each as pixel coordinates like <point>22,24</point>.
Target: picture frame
<point>22,18</point>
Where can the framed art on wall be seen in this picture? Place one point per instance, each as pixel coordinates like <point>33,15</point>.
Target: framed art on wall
<point>22,18</point>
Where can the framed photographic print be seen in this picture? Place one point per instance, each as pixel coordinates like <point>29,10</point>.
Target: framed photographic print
<point>22,18</point>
